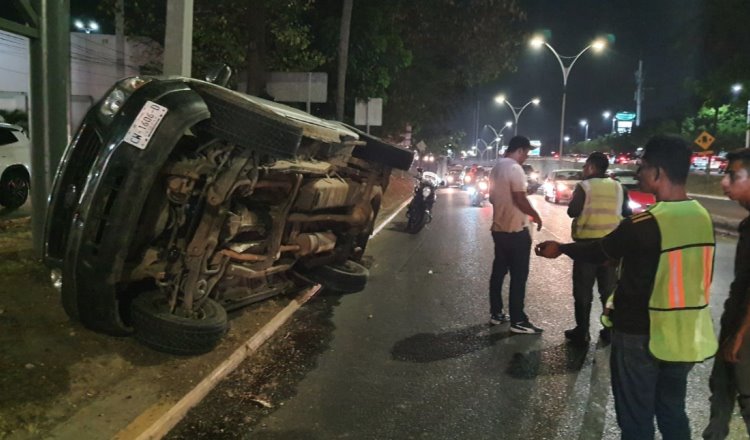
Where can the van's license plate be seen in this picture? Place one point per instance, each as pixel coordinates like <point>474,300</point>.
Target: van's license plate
<point>145,124</point>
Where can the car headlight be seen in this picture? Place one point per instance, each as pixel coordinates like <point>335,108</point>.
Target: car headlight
<point>426,191</point>
<point>55,276</point>
<point>634,205</point>
<point>119,94</point>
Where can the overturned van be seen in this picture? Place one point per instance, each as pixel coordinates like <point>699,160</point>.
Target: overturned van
<point>179,199</point>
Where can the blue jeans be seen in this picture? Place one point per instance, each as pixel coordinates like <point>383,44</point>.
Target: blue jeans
<point>644,387</point>
<point>512,251</point>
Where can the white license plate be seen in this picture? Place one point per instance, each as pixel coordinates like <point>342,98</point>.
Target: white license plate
<point>140,132</point>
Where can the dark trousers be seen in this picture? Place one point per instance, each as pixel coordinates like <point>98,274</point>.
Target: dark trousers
<point>729,383</point>
<point>584,275</point>
<point>512,251</point>
<point>645,387</point>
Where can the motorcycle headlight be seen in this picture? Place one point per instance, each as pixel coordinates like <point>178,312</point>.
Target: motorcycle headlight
<point>472,190</point>
<point>633,205</point>
<point>483,186</point>
<point>534,175</point>
<point>561,187</point>
<point>426,191</point>
<point>119,94</point>
<point>467,179</point>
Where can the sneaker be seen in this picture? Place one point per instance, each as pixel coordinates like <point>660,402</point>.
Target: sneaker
<point>605,335</point>
<point>498,318</point>
<point>525,327</point>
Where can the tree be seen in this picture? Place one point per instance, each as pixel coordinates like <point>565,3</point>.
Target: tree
<point>723,57</point>
<point>726,123</point>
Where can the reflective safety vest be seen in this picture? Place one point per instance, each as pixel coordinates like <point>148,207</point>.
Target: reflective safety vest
<point>680,318</point>
<point>602,210</point>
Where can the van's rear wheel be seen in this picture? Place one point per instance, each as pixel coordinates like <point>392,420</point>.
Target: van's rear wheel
<point>158,328</point>
<point>348,277</point>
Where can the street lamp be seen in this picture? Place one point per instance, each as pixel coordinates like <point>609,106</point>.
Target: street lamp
<point>89,27</point>
<point>598,45</point>
<point>606,115</point>
<point>499,134</point>
<point>736,89</point>
<point>516,110</point>
<point>584,123</point>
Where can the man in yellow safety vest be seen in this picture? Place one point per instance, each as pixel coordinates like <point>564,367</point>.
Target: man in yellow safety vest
<point>598,205</point>
<point>661,317</point>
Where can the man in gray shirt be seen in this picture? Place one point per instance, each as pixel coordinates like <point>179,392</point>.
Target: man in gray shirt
<point>510,232</point>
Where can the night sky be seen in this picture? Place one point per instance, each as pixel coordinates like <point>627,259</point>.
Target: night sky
<point>653,30</point>
<point>656,31</point>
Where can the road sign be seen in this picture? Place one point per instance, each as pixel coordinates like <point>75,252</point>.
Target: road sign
<point>704,140</point>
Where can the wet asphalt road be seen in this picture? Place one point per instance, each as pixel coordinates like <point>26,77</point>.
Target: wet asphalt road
<point>412,356</point>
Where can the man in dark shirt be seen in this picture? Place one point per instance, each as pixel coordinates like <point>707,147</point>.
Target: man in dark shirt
<point>730,377</point>
<point>596,212</point>
<point>643,386</point>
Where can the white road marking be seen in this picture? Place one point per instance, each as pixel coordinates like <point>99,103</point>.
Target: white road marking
<point>391,217</point>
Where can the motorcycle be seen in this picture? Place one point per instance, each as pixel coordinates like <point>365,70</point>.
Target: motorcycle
<point>479,192</point>
<point>419,212</point>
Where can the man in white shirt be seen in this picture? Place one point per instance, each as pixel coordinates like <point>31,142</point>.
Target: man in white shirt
<point>510,232</point>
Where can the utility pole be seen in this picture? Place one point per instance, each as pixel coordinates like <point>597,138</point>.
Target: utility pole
<point>178,41</point>
<point>120,38</point>
<point>638,92</point>
<point>346,21</point>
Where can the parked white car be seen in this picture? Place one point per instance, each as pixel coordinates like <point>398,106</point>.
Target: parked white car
<point>15,166</point>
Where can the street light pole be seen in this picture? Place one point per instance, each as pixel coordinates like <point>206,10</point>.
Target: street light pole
<point>597,45</point>
<point>585,124</point>
<point>498,134</point>
<point>500,99</point>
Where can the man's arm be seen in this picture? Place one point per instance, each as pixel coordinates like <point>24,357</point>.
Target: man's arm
<point>522,203</point>
<point>575,207</point>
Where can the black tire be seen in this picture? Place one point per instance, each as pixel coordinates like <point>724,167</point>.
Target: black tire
<point>416,221</point>
<point>163,331</point>
<point>349,277</point>
<point>14,189</point>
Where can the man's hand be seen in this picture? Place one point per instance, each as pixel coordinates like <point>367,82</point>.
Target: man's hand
<point>538,220</point>
<point>729,350</point>
<point>548,249</point>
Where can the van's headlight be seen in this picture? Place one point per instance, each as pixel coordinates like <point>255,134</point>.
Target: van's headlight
<point>55,276</point>
<point>119,94</point>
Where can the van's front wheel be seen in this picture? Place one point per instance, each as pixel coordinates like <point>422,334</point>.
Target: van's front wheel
<point>162,330</point>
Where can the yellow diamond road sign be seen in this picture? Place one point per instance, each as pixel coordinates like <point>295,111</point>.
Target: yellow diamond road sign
<point>705,140</point>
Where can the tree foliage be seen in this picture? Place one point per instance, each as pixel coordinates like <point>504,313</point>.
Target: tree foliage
<point>723,50</point>
<point>418,55</point>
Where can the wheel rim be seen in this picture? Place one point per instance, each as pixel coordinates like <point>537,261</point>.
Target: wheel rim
<point>18,190</point>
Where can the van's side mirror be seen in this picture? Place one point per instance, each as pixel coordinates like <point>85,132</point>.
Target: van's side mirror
<point>219,75</point>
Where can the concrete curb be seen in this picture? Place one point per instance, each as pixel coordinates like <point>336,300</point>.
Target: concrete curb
<point>169,418</point>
